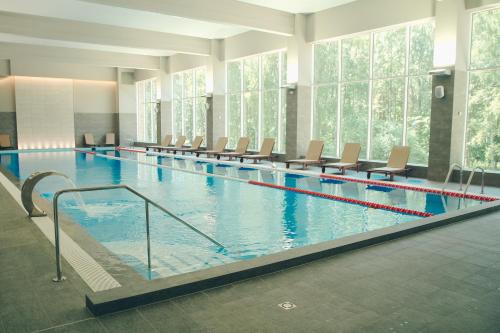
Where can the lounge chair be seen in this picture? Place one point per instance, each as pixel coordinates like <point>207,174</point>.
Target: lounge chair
<point>397,163</point>
<point>167,142</point>
<point>179,143</point>
<point>241,149</point>
<point>349,159</point>
<point>219,148</point>
<point>195,146</point>
<point>5,142</point>
<point>110,139</point>
<point>265,153</point>
<point>89,140</point>
<point>313,155</point>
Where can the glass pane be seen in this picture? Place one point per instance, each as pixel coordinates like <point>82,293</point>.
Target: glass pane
<point>355,109</point>
<point>421,48</point>
<point>284,69</point>
<point>201,118</point>
<point>234,120</point>
<point>270,112</point>
<point>177,86</point>
<point>234,77</point>
<point>201,88</point>
<point>177,104</point>
<point>326,62</point>
<point>325,118</point>
<point>356,58</point>
<point>419,118</point>
<point>483,121</point>
<point>188,84</point>
<point>271,71</point>
<point>389,53</point>
<point>251,101</point>
<point>188,120</point>
<point>485,48</point>
<point>282,120</point>
<point>387,117</point>
<point>251,74</point>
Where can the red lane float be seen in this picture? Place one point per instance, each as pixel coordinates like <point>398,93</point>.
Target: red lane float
<point>85,151</point>
<point>412,188</point>
<point>348,200</point>
<point>131,150</point>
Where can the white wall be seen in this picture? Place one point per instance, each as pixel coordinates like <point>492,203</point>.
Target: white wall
<point>251,43</point>
<point>94,96</point>
<point>44,110</point>
<point>7,96</point>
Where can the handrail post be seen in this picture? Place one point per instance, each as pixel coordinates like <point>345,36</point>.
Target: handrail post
<point>461,178</point>
<point>59,277</point>
<point>148,235</point>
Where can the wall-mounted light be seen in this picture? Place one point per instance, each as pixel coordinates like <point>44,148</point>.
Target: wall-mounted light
<point>439,92</point>
<point>440,72</point>
<point>291,86</point>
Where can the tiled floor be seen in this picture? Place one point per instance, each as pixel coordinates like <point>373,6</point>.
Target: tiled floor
<point>444,280</point>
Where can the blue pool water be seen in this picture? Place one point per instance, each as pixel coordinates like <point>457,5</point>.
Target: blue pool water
<point>249,220</point>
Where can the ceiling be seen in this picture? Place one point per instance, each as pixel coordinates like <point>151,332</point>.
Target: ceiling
<point>160,27</point>
<point>298,6</point>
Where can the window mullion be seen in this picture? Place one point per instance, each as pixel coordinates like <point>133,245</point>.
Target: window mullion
<point>280,96</point>
<point>339,92</point>
<point>407,79</point>
<point>370,97</point>
<point>261,92</point>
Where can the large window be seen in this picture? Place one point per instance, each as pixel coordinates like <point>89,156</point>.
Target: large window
<point>255,102</point>
<point>482,139</point>
<point>146,110</point>
<point>374,89</point>
<point>188,106</point>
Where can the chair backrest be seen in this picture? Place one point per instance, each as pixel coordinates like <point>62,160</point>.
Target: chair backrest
<point>242,145</point>
<point>315,150</point>
<point>350,153</point>
<point>5,140</point>
<point>197,142</point>
<point>181,139</point>
<point>399,157</point>
<point>89,139</point>
<point>167,140</point>
<point>220,145</point>
<point>110,139</point>
<point>267,147</point>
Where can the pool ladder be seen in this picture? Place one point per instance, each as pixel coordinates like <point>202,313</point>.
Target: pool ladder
<point>26,193</point>
<point>469,180</point>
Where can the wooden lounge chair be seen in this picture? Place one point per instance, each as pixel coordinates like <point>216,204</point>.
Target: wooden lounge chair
<point>194,147</point>
<point>397,163</point>
<point>110,139</point>
<point>241,149</point>
<point>179,143</point>
<point>167,142</point>
<point>5,142</point>
<point>265,153</point>
<point>313,155</point>
<point>89,140</point>
<point>219,148</point>
<point>349,159</point>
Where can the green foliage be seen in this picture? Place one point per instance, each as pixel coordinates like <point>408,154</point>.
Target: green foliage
<point>325,117</point>
<point>355,109</point>
<point>485,48</point>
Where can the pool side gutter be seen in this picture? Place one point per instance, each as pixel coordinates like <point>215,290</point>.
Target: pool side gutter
<point>147,292</point>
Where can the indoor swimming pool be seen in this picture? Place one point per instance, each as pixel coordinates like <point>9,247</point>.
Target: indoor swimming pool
<point>249,220</point>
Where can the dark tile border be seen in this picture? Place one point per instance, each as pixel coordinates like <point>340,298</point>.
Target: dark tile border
<point>162,289</point>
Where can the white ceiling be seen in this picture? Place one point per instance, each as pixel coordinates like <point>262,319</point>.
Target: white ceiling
<point>298,6</point>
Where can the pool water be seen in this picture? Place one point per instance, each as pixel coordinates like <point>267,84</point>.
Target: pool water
<point>250,221</point>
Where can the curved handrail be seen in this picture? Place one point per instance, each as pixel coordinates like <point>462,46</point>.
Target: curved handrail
<point>148,201</point>
<point>470,179</point>
<point>27,191</point>
<point>448,176</point>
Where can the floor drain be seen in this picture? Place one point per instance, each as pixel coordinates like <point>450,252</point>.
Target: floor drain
<point>287,305</point>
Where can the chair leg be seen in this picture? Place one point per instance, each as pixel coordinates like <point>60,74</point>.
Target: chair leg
<point>323,169</point>
<point>368,174</point>
<point>287,165</point>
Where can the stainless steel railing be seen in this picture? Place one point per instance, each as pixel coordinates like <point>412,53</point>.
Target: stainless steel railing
<point>147,201</point>
<point>450,171</point>
<point>470,179</point>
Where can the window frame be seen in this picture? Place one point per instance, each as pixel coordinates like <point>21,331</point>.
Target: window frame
<point>140,88</point>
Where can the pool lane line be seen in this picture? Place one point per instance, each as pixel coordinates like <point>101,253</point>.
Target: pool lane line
<point>343,178</point>
<point>162,166</point>
<point>413,188</point>
<point>344,199</point>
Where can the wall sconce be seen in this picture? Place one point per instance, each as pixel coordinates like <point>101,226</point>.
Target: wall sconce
<point>439,92</point>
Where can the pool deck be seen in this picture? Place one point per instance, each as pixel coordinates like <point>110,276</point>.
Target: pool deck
<point>442,280</point>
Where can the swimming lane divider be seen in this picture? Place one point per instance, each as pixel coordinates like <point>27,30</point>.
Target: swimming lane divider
<point>348,200</point>
<point>412,188</point>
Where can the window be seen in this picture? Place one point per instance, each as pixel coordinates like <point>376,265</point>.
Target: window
<point>255,102</point>
<point>146,110</point>
<point>188,105</point>
<point>482,138</point>
<point>374,89</point>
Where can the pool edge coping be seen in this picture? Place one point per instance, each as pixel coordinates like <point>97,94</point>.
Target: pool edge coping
<point>162,289</point>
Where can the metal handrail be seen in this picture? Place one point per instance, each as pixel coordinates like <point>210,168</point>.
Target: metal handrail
<point>470,179</point>
<point>450,171</point>
<point>147,201</point>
